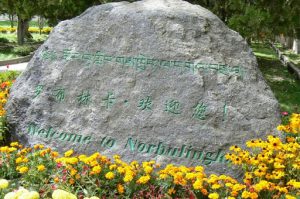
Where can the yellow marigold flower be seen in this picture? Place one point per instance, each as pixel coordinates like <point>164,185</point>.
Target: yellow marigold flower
<point>73,172</point>
<point>38,146</point>
<point>204,192</point>
<point>277,165</point>
<point>212,179</point>
<point>280,127</point>
<point>290,197</point>
<point>93,163</point>
<point>143,179</point>
<point>69,153</point>
<point>96,169</point>
<point>213,196</point>
<point>134,164</point>
<point>128,177</point>
<point>230,197</point>
<point>163,176</point>
<point>277,174</point>
<point>14,144</point>
<point>120,189</point>
<point>238,187</point>
<point>23,170</point>
<point>121,170</point>
<point>25,160</point>
<point>246,194</point>
<point>259,172</point>
<point>12,149</point>
<point>148,169</point>
<point>198,184</point>
<point>54,154</point>
<point>73,160</point>
<point>294,183</point>
<point>19,160</point>
<point>263,184</point>
<point>41,167</point>
<point>72,181</point>
<point>58,194</point>
<point>216,186</point>
<point>179,179</point>
<point>110,175</point>
<point>282,189</point>
<point>199,169</point>
<point>253,195</point>
<point>235,148</point>
<point>171,191</point>
<point>112,167</point>
<point>3,184</point>
<point>56,179</point>
<point>234,193</point>
<point>190,176</point>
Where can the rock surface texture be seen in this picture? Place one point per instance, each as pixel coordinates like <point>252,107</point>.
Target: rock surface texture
<point>154,79</point>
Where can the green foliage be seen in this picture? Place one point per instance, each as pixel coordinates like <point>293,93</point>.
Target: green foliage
<point>9,75</point>
<point>249,26</point>
<point>23,50</point>
<point>3,131</point>
<point>3,40</point>
<point>284,85</point>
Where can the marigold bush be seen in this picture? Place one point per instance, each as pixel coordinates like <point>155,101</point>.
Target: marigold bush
<point>45,30</point>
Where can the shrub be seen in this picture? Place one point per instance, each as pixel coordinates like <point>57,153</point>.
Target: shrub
<point>3,130</point>
<point>23,50</point>
<point>3,40</point>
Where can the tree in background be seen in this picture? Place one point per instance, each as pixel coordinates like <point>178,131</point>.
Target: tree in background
<point>7,6</point>
<point>53,10</point>
<point>259,19</point>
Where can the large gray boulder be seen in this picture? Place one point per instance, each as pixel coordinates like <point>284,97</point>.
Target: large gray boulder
<point>154,79</point>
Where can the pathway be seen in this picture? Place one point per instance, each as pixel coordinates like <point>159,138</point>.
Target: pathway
<point>18,67</point>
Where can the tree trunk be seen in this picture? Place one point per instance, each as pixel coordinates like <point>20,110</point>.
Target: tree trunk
<point>27,34</point>
<point>20,31</point>
<point>289,43</point>
<point>11,19</point>
<point>296,46</point>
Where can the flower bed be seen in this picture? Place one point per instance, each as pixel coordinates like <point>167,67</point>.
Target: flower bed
<point>272,169</point>
<point>45,30</point>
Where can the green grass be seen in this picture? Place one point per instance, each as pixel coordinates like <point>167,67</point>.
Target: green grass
<point>284,85</point>
<point>7,56</point>
<point>12,37</point>
<point>263,51</point>
<point>295,58</point>
<point>15,51</point>
<point>31,23</point>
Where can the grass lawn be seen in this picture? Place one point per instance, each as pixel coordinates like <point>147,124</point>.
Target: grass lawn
<point>12,37</point>
<point>290,54</point>
<point>12,50</point>
<point>31,23</point>
<point>283,84</point>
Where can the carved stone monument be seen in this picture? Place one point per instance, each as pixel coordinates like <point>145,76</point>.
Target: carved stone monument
<point>154,79</point>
